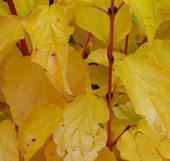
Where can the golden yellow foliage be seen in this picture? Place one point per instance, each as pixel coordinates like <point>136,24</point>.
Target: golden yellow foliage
<point>31,80</point>
<point>50,32</point>
<point>106,154</point>
<point>15,29</point>
<point>8,142</point>
<point>137,73</point>
<point>40,124</point>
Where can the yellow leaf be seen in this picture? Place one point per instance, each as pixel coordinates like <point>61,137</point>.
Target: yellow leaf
<point>94,21</point>
<point>163,4</point>
<point>100,57</point>
<point>147,15</point>
<point>78,73</point>
<point>97,22</point>
<point>99,75</point>
<point>49,32</point>
<point>8,142</point>
<point>41,2</point>
<point>164,149</point>
<point>39,155</point>
<point>4,10</point>
<point>160,48</point>
<point>163,31</point>
<point>106,155</point>
<point>81,134</point>
<point>123,23</point>
<point>71,3</point>
<point>148,86</point>
<point>137,145</point>
<point>126,112</point>
<point>73,9</point>
<point>24,7</point>
<point>13,53</point>
<point>50,152</point>
<point>26,85</point>
<point>162,17</point>
<point>118,126</point>
<point>11,30</point>
<point>40,124</point>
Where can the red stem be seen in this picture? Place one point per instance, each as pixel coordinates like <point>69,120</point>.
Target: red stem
<point>12,7</point>
<point>111,61</point>
<point>120,6</point>
<point>19,46</point>
<point>86,45</point>
<point>101,9</point>
<point>22,46</point>
<point>126,44</point>
<point>115,141</point>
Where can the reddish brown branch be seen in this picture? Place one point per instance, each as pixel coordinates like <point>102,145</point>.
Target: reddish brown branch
<point>126,44</point>
<point>22,46</point>
<point>86,45</point>
<point>12,7</point>
<point>101,9</point>
<point>120,6</point>
<point>19,46</point>
<point>111,61</point>
<point>115,141</point>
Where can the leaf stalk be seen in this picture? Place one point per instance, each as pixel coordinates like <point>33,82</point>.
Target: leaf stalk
<point>86,45</point>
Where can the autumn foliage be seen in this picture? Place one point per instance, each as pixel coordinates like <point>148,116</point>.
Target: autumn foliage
<point>84,80</point>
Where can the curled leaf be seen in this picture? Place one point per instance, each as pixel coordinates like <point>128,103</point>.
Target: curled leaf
<point>81,135</point>
<point>126,112</point>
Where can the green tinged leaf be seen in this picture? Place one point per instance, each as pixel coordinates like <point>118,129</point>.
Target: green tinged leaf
<point>24,7</point>
<point>4,10</point>
<point>145,11</point>
<point>126,112</point>
<point>148,86</point>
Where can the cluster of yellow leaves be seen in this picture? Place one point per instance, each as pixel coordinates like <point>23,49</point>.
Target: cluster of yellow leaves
<point>53,103</point>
